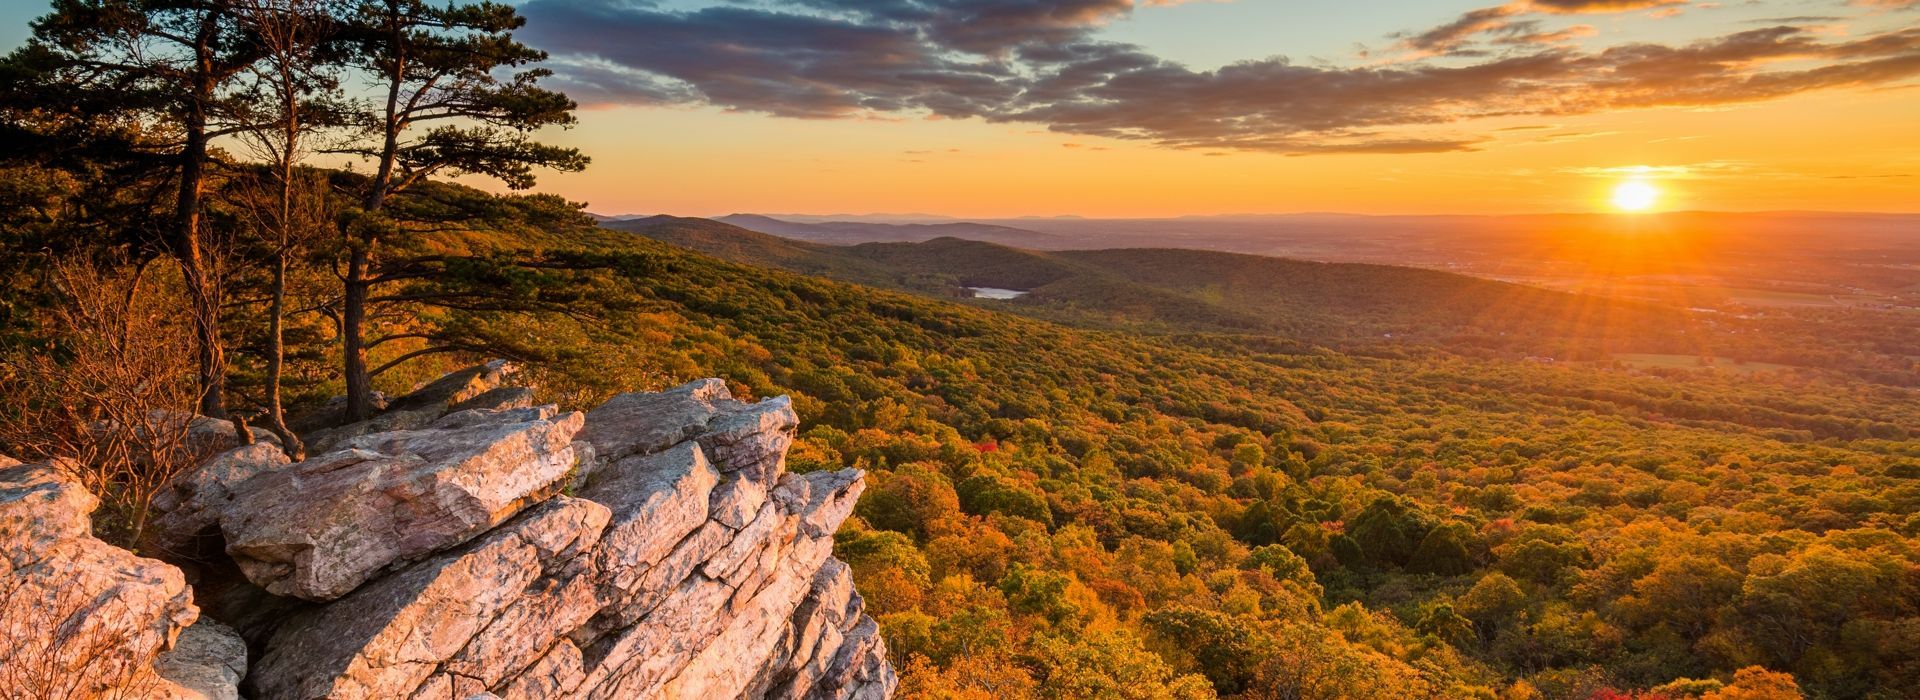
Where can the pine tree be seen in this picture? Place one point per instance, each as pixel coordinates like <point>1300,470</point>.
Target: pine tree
<point>442,110</point>
<point>294,87</point>
<point>166,71</point>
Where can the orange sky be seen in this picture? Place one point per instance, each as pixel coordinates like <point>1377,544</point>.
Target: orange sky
<point>955,107</point>
<point>1142,108</point>
<point>1139,108</point>
<point>1853,150</point>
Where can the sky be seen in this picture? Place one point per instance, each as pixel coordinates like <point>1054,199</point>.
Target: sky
<point>1141,108</point>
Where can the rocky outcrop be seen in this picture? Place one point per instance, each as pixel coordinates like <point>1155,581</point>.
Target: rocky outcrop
<point>828,644</point>
<point>82,617</point>
<point>685,565</point>
<point>654,547</point>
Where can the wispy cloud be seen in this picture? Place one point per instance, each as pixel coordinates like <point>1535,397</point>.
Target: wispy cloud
<point>1503,24</point>
<point>1686,171</point>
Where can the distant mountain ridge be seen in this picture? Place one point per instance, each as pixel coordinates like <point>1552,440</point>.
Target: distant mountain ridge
<point>1188,290</point>
<point>1818,253</point>
<point>854,232</point>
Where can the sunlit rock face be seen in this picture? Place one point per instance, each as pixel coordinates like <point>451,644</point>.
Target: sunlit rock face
<point>655,546</point>
<point>686,563</point>
<point>81,618</point>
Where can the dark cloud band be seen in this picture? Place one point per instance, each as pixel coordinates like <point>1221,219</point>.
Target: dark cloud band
<point>1037,61</point>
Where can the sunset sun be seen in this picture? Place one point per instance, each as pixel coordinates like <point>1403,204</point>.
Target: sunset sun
<point>1635,195</point>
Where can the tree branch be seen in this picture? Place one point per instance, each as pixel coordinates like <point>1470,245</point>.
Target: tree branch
<point>431,350</point>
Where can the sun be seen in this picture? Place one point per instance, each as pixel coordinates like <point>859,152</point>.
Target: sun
<point>1635,195</point>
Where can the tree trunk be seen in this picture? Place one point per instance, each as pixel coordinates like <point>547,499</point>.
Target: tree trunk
<point>201,288</point>
<point>353,315</point>
<point>206,330</point>
<point>276,362</point>
<point>353,334</point>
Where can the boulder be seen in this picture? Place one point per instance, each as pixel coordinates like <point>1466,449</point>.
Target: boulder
<point>485,416</point>
<point>643,423</point>
<point>497,399</point>
<point>480,386</point>
<point>752,441</point>
<point>207,662</point>
<point>83,617</point>
<point>187,510</point>
<point>41,506</point>
<point>319,528</point>
<point>746,442</point>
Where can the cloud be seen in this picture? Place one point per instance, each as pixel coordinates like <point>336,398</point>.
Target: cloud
<point>1591,7</point>
<point>783,63</point>
<point>1040,62</point>
<point>1578,31</point>
<point>1686,171</point>
<point>1451,35</point>
<point>1574,136</point>
<point>1798,19</point>
<point>1500,22</point>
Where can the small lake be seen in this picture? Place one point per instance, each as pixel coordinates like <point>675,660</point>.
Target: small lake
<point>996,293</point>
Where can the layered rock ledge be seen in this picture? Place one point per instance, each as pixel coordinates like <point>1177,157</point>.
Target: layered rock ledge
<point>654,547</point>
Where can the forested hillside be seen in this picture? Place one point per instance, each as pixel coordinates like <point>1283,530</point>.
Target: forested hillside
<point>1058,511</point>
<point>1062,512</point>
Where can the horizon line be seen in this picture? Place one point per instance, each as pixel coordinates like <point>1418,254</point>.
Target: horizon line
<point>1253,215</point>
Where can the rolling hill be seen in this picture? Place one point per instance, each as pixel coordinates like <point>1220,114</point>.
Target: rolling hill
<point>1342,304</point>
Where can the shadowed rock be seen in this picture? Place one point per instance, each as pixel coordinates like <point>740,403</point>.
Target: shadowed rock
<point>207,662</point>
<point>188,508</point>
